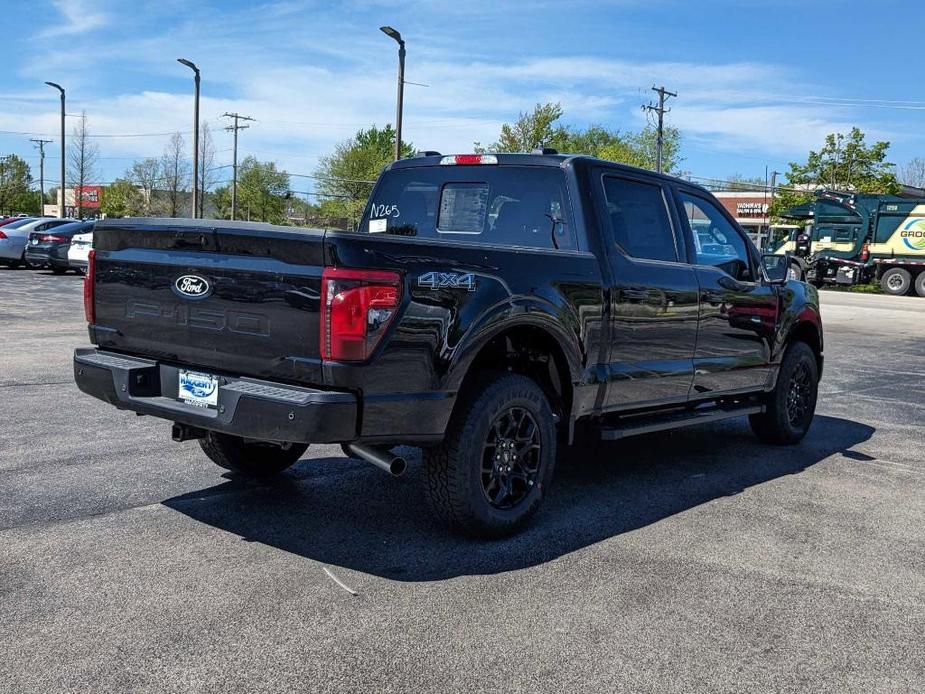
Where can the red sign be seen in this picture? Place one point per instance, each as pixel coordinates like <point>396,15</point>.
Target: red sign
<point>89,195</point>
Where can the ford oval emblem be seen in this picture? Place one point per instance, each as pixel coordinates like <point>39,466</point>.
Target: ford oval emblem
<point>192,287</point>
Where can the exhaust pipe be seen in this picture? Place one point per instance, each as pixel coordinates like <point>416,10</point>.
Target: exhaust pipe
<point>384,460</point>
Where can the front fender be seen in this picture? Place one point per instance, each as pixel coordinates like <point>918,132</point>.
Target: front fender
<point>799,310</point>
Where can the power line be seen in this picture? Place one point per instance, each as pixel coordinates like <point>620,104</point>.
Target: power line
<point>107,135</point>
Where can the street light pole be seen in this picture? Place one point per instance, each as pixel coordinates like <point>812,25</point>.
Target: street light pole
<point>196,193</point>
<point>61,195</point>
<point>393,34</point>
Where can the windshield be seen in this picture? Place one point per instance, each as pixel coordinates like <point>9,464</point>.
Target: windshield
<point>20,223</point>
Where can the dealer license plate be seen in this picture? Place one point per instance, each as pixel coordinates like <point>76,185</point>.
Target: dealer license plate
<point>198,389</point>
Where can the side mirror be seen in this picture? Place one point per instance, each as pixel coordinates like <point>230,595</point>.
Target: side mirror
<point>776,267</point>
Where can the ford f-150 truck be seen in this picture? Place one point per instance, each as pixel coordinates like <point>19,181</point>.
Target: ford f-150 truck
<point>488,309</point>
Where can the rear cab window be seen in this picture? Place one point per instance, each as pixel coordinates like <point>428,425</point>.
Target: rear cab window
<point>524,206</point>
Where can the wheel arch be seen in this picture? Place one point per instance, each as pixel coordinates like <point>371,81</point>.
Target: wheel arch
<point>531,345</point>
<point>808,331</point>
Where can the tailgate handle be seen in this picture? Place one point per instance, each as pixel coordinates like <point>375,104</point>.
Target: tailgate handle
<point>180,242</point>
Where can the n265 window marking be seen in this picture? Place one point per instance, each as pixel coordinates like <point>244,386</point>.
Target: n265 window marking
<point>447,280</point>
<point>384,211</point>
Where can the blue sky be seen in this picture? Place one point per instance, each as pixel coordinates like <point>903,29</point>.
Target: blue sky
<point>759,82</point>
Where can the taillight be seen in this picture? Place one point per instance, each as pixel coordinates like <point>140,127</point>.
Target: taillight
<point>865,253</point>
<point>52,238</point>
<point>356,309</point>
<point>468,159</point>
<point>2,235</point>
<point>89,290</point>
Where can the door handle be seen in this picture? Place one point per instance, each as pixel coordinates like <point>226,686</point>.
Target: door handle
<point>731,284</point>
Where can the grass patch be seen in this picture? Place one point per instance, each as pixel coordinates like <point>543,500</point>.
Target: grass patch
<point>872,288</point>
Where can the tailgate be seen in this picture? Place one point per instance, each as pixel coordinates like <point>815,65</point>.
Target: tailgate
<point>233,297</point>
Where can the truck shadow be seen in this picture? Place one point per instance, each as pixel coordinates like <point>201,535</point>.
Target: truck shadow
<point>348,514</point>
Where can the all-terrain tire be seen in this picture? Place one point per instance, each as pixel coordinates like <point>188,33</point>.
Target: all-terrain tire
<point>250,457</point>
<point>896,281</point>
<point>920,284</point>
<point>454,469</point>
<point>792,404</point>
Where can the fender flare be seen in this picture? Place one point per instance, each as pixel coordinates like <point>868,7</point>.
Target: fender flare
<point>518,313</point>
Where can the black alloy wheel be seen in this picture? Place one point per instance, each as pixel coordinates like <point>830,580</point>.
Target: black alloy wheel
<point>511,458</point>
<point>799,394</point>
<point>790,407</point>
<point>490,473</point>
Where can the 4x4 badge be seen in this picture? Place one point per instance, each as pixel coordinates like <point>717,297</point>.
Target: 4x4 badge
<point>447,280</point>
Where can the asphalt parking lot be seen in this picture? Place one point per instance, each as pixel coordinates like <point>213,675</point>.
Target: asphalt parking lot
<point>699,560</point>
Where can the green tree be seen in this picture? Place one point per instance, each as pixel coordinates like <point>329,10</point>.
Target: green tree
<point>541,128</point>
<point>843,163</point>
<point>15,180</point>
<point>221,199</point>
<point>146,175</point>
<point>262,191</point>
<point>345,178</point>
<point>121,199</point>
<point>642,147</point>
<point>30,202</point>
<point>531,130</point>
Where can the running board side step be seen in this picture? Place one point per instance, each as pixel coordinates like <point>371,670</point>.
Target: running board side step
<point>675,420</point>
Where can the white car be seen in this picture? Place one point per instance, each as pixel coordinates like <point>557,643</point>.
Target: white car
<point>13,238</point>
<point>78,253</point>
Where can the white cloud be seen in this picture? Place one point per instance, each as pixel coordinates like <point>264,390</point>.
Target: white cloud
<point>77,17</point>
<point>311,84</point>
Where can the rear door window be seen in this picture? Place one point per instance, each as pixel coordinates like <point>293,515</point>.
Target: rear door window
<point>507,205</point>
<point>639,220</point>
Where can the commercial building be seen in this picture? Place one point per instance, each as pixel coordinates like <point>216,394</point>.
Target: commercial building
<point>750,209</point>
<point>90,197</point>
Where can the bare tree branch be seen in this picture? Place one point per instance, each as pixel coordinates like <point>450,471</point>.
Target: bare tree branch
<point>82,159</point>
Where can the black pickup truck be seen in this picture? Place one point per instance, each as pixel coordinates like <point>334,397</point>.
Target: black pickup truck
<point>488,309</point>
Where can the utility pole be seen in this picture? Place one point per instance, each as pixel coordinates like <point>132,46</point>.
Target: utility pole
<point>838,139</point>
<point>41,145</point>
<point>663,96</point>
<point>234,185</point>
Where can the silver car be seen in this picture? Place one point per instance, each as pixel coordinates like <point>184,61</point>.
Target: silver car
<point>13,238</point>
